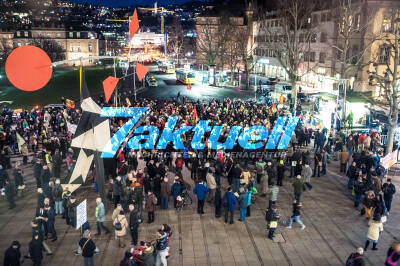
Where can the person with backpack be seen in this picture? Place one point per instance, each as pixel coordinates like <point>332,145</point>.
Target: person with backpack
<point>388,190</point>
<point>260,166</point>
<point>272,218</point>
<point>87,248</point>
<point>120,225</point>
<point>393,254</point>
<point>162,248</point>
<point>229,202</point>
<point>356,259</point>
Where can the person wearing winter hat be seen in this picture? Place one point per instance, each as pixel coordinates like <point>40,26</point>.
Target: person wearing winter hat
<point>12,256</point>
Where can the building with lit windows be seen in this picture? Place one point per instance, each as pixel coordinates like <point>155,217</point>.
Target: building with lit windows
<point>322,61</point>
<point>71,43</point>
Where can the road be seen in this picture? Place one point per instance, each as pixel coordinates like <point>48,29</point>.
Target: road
<point>168,88</point>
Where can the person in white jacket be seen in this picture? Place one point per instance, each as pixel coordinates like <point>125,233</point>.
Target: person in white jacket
<point>212,186</point>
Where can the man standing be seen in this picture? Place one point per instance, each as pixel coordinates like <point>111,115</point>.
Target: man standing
<point>133,224</point>
<point>50,219</point>
<point>100,217</point>
<point>88,248</point>
<point>200,190</point>
<point>243,201</point>
<point>57,196</point>
<point>351,174</point>
<point>10,193</point>
<point>344,158</point>
<point>151,202</point>
<point>212,185</point>
<point>296,215</point>
<point>230,202</point>
<point>388,191</point>
<point>260,166</point>
<point>272,218</point>
<point>37,170</point>
<point>164,193</point>
<point>306,173</point>
<point>298,188</point>
<point>72,204</point>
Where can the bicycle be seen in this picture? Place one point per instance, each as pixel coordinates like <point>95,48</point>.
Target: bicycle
<point>183,200</point>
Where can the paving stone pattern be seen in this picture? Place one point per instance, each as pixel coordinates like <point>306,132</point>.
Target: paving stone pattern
<point>333,229</point>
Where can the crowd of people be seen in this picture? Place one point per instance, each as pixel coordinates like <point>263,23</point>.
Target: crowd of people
<point>134,189</point>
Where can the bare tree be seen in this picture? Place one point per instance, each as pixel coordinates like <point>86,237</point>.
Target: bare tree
<point>352,24</point>
<point>5,51</point>
<point>383,73</point>
<point>290,39</point>
<point>52,48</point>
<point>175,38</point>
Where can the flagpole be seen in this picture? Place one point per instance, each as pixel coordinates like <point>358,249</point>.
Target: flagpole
<point>134,83</point>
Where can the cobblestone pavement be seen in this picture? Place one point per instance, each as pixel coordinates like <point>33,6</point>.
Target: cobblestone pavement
<point>334,229</point>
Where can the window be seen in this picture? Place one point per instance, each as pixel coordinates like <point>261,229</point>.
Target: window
<point>324,37</point>
<point>71,35</point>
<point>322,58</point>
<point>26,34</point>
<point>315,19</point>
<point>323,17</point>
<point>90,47</point>
<point>78,34</point>
<point>79,47</point>
<point>328,17</point>
<point>18,34</point>
<point>71,47</point>
<point>312,57</point>
<point>357,21</point>
<point>301,38</point>
<point>384,54</point>
<point>387,23</point>
<point>314,37</point>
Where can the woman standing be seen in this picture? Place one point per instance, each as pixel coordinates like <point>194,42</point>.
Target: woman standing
<point>375,227</point>
<point>120,225</point>
<point>393,254</point>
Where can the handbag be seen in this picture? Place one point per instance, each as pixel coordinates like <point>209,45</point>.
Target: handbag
<point>118,226</point>
<point>384,219</point>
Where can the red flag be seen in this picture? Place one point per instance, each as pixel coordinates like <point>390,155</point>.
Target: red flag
<point>133,24</point>
<point>141,71</point>
<point>109,85</point>
<point>194,113</point>
<point>189,87</point>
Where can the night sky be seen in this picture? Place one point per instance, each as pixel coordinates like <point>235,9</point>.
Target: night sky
<point>117,3</point>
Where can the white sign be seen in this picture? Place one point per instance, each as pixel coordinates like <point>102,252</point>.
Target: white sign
<point>81,214</point>
<point>71,127</point>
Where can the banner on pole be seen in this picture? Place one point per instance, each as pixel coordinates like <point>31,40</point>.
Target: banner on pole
<point>81,214</point>
<point>389,160</point>
<point>71,127</point>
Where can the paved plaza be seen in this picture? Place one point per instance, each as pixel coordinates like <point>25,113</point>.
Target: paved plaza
<point>334,229</point>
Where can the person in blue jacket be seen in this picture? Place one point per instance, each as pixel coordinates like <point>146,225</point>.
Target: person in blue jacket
<point>201,191</point>
<point>243,201</point>
<point>230,202</point>
<point>176,190</point>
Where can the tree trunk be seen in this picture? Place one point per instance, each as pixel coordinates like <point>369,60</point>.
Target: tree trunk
<point>294,95</point>
<point>392,129</point>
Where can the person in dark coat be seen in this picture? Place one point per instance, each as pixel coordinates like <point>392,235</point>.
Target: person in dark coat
<point>10,194</point>
<point>37,170</point>
<point>280,172</point>
<point>45,175</point>
<point>230,202</point>
<point>50,222</point>
<point>218,202</point>
<point>133,224</point>
<point>36,250</point>
<point>57,162</point>
<point>388,191</point>
<point>3,177</point>
<point>12,257</point>
<point>40,198</point>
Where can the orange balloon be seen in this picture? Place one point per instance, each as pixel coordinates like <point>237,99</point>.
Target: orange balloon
<point>28,68</point>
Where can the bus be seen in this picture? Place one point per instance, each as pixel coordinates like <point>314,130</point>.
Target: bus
<point>169,69</point>
<point>185,77</point>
